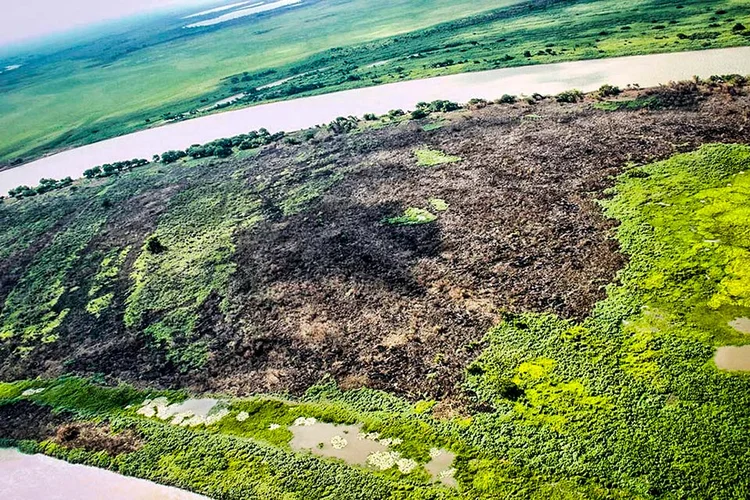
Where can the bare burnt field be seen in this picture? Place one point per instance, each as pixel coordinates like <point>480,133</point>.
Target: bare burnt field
<point>334,290</point>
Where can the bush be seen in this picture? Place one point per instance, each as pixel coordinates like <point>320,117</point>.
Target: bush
<point>342,125</point>
<point>172,156</point>
<point>607,90</point>
<point>506,99</point>
<point>438,106</point>
<point>477,103</point>
<point>569,96</point>
<point>418,113</point>
<point>153,245</point>
<point>370,117</point>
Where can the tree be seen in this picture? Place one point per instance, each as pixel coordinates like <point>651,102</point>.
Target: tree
<point>153,245</point>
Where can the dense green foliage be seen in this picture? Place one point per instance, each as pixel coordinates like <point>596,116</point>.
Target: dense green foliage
<point>160,76</point>
<point>625,404</point>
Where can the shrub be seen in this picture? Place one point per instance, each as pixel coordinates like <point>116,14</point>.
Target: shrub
<point>506,99</point>
<point>607,90</point>
<point>418,113</point>
<point>477,103</point>
<point>153,245</point>
<point>569,96</point>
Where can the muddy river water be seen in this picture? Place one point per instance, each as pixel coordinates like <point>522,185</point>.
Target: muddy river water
<point>38,477</point>
<point>305,112</point>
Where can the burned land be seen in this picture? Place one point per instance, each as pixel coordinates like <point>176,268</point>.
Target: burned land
<point>309,275</point>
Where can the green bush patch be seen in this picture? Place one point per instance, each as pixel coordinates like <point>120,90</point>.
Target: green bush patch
<point>412,216</point>
<point>431,157</point>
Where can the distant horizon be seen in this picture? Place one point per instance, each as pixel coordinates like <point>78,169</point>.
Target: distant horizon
<point>35,21</point>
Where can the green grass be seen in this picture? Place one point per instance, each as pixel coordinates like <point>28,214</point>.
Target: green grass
<point>432,158</point>
<point>413,216</point>
<point>173,284</point>
<point>177,76</point>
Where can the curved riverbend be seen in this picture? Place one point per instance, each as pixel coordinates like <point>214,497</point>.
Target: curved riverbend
<point>31,477</point>
<point>649,70</point>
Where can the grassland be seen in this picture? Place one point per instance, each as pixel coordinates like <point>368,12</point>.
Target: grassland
<point>305,280</point>
<point>165,77</point>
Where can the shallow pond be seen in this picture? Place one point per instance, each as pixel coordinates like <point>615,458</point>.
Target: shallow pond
<point>349,443</point>
<point>37,477</point>
<point>305,112</point>
<point>733,358</point>
<point>741,324</point>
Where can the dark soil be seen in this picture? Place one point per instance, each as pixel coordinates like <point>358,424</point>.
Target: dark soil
<point>335,291</point>
<point>93,437</point>
<point>25,420</point>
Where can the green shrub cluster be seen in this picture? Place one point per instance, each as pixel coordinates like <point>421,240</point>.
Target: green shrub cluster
<point>45,185</point>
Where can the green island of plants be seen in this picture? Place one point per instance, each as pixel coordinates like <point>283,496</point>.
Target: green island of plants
<point>626,403</point>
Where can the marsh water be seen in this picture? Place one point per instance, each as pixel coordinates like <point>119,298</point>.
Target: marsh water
<point>39,477</point>
<point>305,112</point>
<point>350,444</point>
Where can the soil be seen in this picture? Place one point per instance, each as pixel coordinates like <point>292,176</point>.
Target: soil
<point>335,291</point>
<point>25,420</point>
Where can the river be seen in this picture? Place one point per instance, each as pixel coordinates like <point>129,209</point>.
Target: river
<point>295,114</point>
<point>39,477</point>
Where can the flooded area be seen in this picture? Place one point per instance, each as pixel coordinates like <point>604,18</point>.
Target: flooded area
<point>742,325</point>
<point>345,442</point>
<point>189,413</point>
<point>248,11</point>
<point>305,112</point>
<point>37,477</point>
<point>733,358</point>
<point>355,447</point>
<point>441,468</point>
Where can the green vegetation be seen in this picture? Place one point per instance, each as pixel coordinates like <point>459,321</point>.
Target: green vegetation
<point>187,259</point>
<point>161,75</point>
<point>431,158</point>
<point>45,185</point>
<point>412,216</point>
<point>30,313</point>
<point>438,204</point>
<point>625,404</point>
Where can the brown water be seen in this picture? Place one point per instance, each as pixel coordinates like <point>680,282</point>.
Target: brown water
<point>741,324</point>
<point>440,468</point>
<point>305,112</point>
<point>39,477</point>
<point>349,443</point>
<point>733,358</point>
<point>318,439</point>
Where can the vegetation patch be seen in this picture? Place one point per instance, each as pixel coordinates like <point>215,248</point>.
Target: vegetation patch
<point>431,157</point>
<point>413,216</point>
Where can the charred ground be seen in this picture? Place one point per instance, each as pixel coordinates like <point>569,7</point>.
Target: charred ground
<point>322,285</point>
